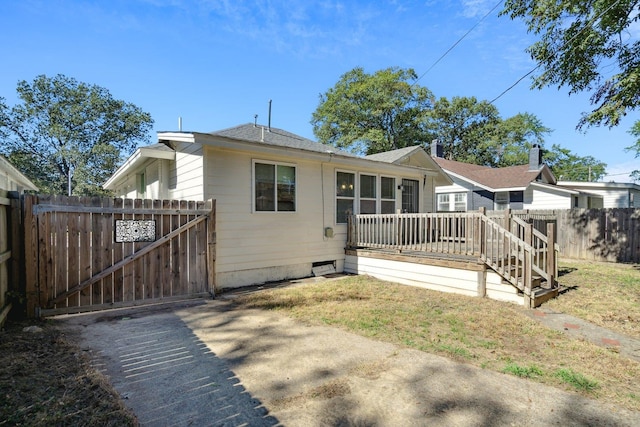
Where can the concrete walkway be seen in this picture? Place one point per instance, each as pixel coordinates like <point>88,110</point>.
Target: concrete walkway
<point>625,345</point>
<point>210,363</point>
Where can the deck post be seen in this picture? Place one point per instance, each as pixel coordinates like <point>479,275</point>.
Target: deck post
<point>482,282</point>
<point>507,219</point>
<point>551,254</point>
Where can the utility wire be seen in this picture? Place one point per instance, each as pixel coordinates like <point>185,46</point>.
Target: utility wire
<point>457,42</point>
<point>588,24</point>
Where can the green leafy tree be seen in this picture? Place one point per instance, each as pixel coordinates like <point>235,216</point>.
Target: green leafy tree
<point>567,166</point>
<point>370,113</point>
<point>514,138</point>
<point>635,131</point>
<point>587,46</point>
<point>466,128</point>
<point>68,137</point>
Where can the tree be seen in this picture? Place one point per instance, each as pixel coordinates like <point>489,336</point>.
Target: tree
<point>69,136</point>
<point>464,127</point>
<point>567,166</point>
<point>586,45</point>
<point>635,131</point>
<point>515,136</point>
<point>370,113</point>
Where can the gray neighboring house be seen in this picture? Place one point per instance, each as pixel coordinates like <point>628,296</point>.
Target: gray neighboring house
<point>530,186</point>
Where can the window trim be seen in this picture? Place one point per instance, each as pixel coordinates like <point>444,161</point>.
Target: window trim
<point>356,198</point>
<point>275,205</point>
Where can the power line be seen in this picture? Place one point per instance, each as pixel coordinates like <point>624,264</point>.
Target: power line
<point>457,42</point>
<point>588,24</point>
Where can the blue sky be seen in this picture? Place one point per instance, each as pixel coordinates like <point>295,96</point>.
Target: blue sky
<point>217,63</point>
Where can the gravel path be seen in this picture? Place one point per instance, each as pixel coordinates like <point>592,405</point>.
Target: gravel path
<point>213,364</point>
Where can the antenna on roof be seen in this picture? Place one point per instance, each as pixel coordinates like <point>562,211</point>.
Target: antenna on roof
<point>255,120</point>
<point>269,125</point>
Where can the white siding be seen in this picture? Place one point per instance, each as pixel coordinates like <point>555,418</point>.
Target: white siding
<point>615,198</point>
<point>437,278</point>
<point>186,175</point>
<point>534,198</point>
<point>256,247</point>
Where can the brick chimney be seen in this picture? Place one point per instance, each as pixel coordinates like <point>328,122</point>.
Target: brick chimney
<point>436,149</point>
<point>535,157</point>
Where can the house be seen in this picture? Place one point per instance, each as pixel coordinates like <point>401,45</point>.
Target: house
<point>530,186</point>
<point>282,201</point>
<point>614,194</point>
<point>12,180</point>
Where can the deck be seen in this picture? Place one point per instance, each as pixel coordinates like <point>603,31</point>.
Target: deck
<point>477,254</point>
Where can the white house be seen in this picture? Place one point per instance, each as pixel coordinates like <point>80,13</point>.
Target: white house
<point>613,194</point>
<point>12,180</point>
<point>530,186</point>
<point>282,200</point>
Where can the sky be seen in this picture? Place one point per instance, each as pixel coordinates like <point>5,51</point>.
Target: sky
<point>217,63</point>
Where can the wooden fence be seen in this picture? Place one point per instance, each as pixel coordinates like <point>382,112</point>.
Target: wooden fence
<point>611,235</point>
<point>78,258</point>
<point>6,254</point>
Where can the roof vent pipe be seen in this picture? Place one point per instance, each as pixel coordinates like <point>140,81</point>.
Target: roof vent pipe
<point>269,125</point>
<point>255,120</point>
<point>179,124</point>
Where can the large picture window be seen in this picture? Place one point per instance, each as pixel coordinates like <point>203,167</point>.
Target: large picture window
<point>274,187</point>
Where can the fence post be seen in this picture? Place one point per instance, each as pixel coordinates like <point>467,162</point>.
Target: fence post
<point>211,247</point>
<point>551,254</point>
<point>32,293</point>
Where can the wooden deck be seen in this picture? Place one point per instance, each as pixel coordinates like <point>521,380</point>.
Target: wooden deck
<point>471,242</point>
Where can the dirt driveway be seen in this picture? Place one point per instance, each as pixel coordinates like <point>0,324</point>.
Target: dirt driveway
<point>214,364</point>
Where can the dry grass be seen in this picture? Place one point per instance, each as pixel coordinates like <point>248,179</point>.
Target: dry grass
<point>46,380</point>
<point>603,293</point>
<point>489,334</point>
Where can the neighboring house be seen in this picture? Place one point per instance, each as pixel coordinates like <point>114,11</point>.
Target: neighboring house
<point>12,180</point>
<point>530,186</point>
<point>614,194</point>
<point>282,201</point>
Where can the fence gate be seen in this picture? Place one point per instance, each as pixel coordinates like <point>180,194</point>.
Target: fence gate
<point>92,253</point>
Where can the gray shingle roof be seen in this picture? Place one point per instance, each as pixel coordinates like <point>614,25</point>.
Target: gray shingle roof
<point>278,137</point>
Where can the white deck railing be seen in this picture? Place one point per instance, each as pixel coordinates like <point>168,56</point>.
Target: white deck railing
<point>518,253</point>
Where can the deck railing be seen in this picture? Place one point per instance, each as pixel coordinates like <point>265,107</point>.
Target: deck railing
<point>519,253</point>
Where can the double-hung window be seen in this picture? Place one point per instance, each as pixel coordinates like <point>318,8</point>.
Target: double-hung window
<point>368,194</point>
<point>363,194</point>
<point>274,187</point>
<point>345,195</point>
<point>387,195</point>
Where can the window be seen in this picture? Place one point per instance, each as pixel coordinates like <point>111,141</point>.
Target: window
<point>388,195</point>
<point>142,185</point>
<point>443,203</point>
<point>501,200</point>
<point>344,196</point>
<point>460,202</point>
<point>368,194</point>
<point>452,202</point>
<point>275,187</point>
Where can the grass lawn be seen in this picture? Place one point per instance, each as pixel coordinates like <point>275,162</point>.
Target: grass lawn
<point>486,333</point>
